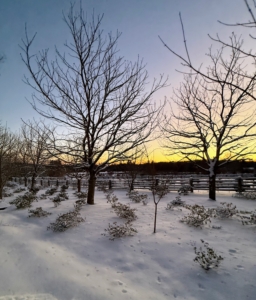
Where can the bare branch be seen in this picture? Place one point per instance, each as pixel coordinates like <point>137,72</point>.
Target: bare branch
<point>101,99</point>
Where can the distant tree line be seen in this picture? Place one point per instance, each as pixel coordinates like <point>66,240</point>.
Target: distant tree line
<point>238,166</point>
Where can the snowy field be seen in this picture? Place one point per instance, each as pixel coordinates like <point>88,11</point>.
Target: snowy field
<point>83,264</point>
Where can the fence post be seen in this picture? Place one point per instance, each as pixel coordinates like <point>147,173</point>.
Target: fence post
<point>240,184</point>
<point>78,185</point>
<point>110,185</point>
<point>57,182</point>
<point>25,181</point>
<point>191,183</point>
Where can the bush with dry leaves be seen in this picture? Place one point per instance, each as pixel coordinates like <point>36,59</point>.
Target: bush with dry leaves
<point>117,231</point>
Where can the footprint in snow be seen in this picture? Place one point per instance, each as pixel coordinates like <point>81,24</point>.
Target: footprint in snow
<point>232,251</point>
<point>159,280</point>
<point>201,287</point>
<point>239,267</point>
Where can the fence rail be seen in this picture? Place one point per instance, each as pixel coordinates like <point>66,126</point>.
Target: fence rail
<point>227,182</point>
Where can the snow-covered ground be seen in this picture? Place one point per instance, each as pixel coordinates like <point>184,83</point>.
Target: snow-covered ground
<point>82,263</point>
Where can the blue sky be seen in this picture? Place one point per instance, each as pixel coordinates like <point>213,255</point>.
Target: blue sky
<point>140,21</point>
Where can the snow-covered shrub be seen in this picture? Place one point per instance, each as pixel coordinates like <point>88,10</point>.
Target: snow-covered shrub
<point>145,202</point>
<point>104,187</point>
<point>250,195</point>
<point>118,231</point>
<point>35,189</point>
<point>19,190</point>
<point>24,201</point>
<point>207,258</point>
<point>11,184</point>
<point>43,196</point>
<point>124,211</point>
<point>136,197</point>
<point>108,193</point>
<point>63,195</point>
<point>79,203</point>
<point>81,195</point>
<point>184,189</point>
<point>51,191</point>
<point>56,200</point>
<point>198,216</point>
<point>112,199</point>
<point>246,212</point>
<point>238,195</point>
<point>82,200</point>
<point>249,220</point>
<point>227,210</point>
<point>38,212</point>
<point>66,221</point>
<point>7,192</point>
<point>63,188</point>
<point>247,195</point>
<point>175,203</point>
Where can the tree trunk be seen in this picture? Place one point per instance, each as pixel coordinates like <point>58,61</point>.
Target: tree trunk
<point>131,185</point>
<point>212,187</point>
<point>155,218</point>
<point>91,188</point>
<point>78,185</point>
<point>33,182</point>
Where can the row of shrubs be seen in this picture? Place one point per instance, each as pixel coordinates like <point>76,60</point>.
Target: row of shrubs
<point>64,221</point>
<point>200,216</point>
<point>197,217</point>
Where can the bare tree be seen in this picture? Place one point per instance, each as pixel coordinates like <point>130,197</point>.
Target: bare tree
<point>95,94</point>
<point>8,155</point>
<point>214,117</point>
<point>35,148</point>
<point>159,188</point>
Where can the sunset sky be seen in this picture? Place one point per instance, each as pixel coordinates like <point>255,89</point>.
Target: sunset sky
<point>140,21</point>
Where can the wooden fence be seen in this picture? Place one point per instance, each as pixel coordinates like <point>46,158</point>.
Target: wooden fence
<point>227,182</point>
